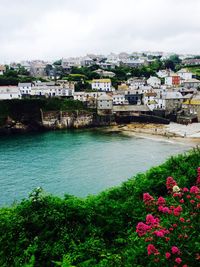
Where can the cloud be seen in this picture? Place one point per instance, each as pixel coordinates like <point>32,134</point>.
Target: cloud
<point>50,29</point>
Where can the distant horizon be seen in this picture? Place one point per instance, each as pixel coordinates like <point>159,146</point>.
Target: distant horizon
<point>98,54</point>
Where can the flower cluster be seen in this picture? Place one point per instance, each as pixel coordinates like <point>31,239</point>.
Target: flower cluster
<point>171,228</point>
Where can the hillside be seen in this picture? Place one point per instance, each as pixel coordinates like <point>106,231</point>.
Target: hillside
<point>46,230</point>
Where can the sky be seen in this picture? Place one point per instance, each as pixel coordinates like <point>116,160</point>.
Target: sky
<point>54,29</point>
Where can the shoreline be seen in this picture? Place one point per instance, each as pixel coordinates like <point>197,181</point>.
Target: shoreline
<point>169,133</point>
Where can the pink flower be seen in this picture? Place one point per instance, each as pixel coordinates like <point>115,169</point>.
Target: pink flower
<point>177,211</point>
<point>170,183</point>
<point>151,220</point>
<point>182,219</point>
<point>178,260</point>
<point>164,209</point>
<point>181,201</point>
<point>175,250</point>
<point>167,255</point>
<point>161,201</point>
<point>192,201</point>
<point>152,250</point>
<point>142,228</point>
<point>185,189</point>
<point>159,233</point>
<point>148,199</point>
<point>194,190</point>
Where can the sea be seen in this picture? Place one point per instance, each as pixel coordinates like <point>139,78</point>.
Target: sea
<point>75,162</point>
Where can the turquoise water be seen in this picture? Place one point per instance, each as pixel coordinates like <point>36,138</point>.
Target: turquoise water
<point>75,162</point>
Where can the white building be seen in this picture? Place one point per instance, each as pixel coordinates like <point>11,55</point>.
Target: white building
<point>102,85</point>
<point>119,99</point>
<point>185,74</point>
<point>191,83</point>
<point>154,82</point>
<point>25,88</point>
<point>163,73</point>
<point>84,96</point>
<point>9,92</point>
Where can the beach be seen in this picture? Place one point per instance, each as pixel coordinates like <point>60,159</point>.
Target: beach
<point>173,131</point>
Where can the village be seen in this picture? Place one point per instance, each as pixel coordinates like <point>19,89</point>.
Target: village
<point>158,91</point>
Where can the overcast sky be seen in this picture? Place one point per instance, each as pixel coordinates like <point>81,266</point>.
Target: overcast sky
<point>52,29</point>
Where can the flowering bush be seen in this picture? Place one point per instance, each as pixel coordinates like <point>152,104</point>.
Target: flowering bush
<point>171,230</point>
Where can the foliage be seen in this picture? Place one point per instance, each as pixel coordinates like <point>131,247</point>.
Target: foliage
<point>28,110</point>
<point>97,231</point>
<point>170,232</point>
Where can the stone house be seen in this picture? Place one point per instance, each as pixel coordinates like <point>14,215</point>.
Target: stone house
<point>104,105</point>
<point>192,106</point>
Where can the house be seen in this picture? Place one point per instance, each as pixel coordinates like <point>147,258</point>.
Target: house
<point>191,83</point>
<point>68,63</point>
<point>133,98</point>
<point>104,105</point>
<point>9,92</point>
<point>192,106</point>
<point>119,99</point>
<point>173,80</point>
<point>103,73</point>
<point>192,61</point>
<point>163,73</point>
<point>185,74</point>
<point>122,87</point>
<point>2,69</point>
<point>87,62</point>
<point>102,85</point>
<point>154,82</point>
<point>80,96</point>
<point>25,88</point>
<point>136,82</point>
<point>149,100</point>
<point>173,101</point>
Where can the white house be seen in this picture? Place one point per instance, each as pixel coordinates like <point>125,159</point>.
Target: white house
<point>185,74</point>
<point>25,88</point>
<point>2,69</point>
<point>163,73</point>
<point>119,99</point>
<point>9,92</point>
<point>51,91</point>
<point>136,82</point>
<point>173,80</point>
<point>149,100</point>
<point>102,85</point>
<point>154,82</point>
<point>191,83</point>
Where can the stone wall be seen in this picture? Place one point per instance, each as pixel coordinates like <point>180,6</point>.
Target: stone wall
<point>65,120</point>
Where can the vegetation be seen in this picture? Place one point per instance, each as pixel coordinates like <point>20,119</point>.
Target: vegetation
<point>29,109</point>
<point>45,230</point>
<point>195,70</point>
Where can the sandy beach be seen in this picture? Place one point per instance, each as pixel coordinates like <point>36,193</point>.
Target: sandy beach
<point>172,132</point>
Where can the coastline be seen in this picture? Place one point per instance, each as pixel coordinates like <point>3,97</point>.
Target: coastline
<point>173,132</point>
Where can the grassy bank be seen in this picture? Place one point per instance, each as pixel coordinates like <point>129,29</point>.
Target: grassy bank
<point>46,230</point>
